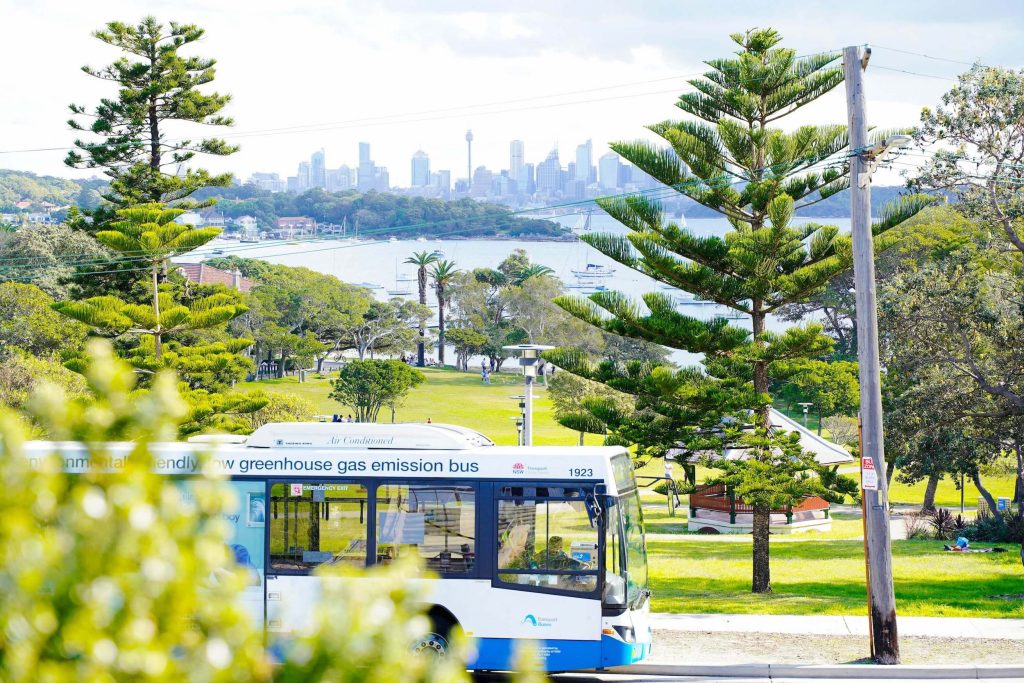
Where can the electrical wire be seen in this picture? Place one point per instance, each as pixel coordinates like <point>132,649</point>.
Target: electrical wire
<point>913,73</point>
<point>382,119</point>
<point>921,54</point>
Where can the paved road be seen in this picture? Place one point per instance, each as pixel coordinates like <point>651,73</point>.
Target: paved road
<point>586,678</point>
<point>616,678</point>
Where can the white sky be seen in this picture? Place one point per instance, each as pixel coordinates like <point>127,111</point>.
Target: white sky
<point>372,68</point>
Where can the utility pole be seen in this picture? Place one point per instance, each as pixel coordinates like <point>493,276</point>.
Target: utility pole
<point>885,648</point>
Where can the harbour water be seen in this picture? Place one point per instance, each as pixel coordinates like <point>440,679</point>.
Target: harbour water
<point>380,262</point>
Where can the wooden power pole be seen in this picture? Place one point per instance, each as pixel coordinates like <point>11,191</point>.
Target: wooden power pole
<point>885,648</point>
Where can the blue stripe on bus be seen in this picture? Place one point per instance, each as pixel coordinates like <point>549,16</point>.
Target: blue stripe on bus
<point>558,655</point>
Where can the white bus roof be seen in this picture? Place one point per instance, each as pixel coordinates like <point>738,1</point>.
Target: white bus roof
<point>366,435</point>
<point>313,450</point>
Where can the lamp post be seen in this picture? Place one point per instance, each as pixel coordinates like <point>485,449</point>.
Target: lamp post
<point>528,356</point>
<point>805,406</point>
<point>521,418</point>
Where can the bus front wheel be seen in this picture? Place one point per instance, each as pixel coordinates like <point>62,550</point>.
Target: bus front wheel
<point>436,643</point>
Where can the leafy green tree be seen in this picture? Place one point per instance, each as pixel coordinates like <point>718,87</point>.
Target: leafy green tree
<point>45,256</point>
<point>25,373</point>
<point>466,342</point>
<point>980,124</point>
<point>292,303</point>
<point>368,385</point>
<point>386,324</point>
<point>157,87</point>
<point>570,395</point>
<point>280,407</point>
<point>29,323</point>
<point>832,386</point>
<point>730,158</point>
<point>443,274</point>
<point>530,308</point>
<point>422,259</point>
<point>955,335</point>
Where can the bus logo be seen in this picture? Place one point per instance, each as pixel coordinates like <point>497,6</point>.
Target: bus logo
<point>543,622</point>
<point>518,468</point>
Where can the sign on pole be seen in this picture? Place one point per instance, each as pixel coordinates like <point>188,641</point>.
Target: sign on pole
<point>869,475</point>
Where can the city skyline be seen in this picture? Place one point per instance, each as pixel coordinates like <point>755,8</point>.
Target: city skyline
<point>424,78</point>
<point>517,182</point>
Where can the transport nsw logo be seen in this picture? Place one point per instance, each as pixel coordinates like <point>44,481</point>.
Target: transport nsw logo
<point>543,622</point>
<point>519,468</point>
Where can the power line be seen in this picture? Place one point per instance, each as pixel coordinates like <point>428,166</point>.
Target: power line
<point>402,118</point>
<point>921,54</point>
<point>913,73</point>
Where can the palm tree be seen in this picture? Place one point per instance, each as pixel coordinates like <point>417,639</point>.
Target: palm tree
<point>422,259</point>
<point>532,270</point>
<point>443,273</point>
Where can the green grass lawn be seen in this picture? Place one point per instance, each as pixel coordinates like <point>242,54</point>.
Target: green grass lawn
<point>808,577</point>
<point>449,396</point>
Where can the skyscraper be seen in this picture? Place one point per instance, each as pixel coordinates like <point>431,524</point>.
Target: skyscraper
<point>608,171</point>
<point>304,175</point>
<point>584,161</point>
<point>549,174</point>
<point>516,159</point>
<point>318,171</point>
<point>367,175</point>
<point>469,157</point>
<point>420,169</point>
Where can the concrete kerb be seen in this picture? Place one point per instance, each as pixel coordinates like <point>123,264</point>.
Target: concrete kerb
<point>827,671</point>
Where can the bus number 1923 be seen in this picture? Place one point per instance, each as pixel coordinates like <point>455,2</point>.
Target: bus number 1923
<point>581,472</point>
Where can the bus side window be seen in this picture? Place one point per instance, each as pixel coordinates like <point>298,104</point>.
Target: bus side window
<point>547,543</point>
<point>314,523</point>
<point>432,521</point>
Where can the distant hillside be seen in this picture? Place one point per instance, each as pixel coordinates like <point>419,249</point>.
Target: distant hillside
<point>381,213</point>
<point>375,212</point>
<point>19,186</point>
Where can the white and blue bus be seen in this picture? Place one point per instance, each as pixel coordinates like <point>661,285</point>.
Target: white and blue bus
<point>544,544</point>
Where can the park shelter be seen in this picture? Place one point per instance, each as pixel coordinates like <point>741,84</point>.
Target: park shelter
<point>716,508</point>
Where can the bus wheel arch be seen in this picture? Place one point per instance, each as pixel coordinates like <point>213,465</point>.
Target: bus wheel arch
<point>437,641</point>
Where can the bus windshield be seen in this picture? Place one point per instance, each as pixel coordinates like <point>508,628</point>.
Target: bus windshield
<point>635,547</point>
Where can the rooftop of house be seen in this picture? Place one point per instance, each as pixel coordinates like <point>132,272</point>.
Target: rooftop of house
<point>204,274</point>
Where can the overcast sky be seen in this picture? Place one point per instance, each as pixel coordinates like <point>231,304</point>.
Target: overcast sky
<point>409,74</point>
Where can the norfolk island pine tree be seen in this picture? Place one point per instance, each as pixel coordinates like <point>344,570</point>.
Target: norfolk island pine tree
<point>728,158</point>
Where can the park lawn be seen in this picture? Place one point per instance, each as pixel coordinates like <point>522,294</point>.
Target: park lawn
<point>947,494</point>
<point>452,397</point>
<point>809,577</point>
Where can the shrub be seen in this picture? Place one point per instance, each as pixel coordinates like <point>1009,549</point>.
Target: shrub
<point>916,525</point>
<point>661,487</point>
<point>994,528</point>
<point>942,522</point>
<point>114,575</point>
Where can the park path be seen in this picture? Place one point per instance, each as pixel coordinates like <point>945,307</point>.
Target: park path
<point>932,627</point>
